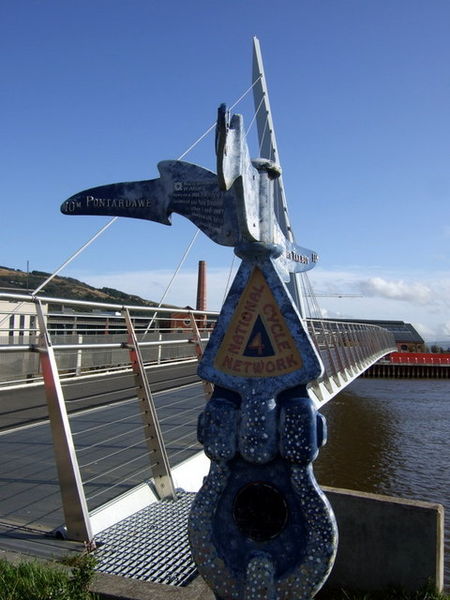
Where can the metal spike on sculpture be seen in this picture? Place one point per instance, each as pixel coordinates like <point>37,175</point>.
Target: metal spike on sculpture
<point>260,527</point>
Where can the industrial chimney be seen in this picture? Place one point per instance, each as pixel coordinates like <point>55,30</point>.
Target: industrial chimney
<point>201,286</point>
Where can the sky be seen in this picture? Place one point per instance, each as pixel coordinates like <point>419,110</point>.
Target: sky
<point>99,91</point>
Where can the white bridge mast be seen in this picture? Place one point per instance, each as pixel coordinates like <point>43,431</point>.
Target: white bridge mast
<point>268,149</point>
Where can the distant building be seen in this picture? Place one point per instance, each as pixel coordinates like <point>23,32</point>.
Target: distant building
<point>180,321</point>
<point>406,337</point>
<point>17,322</point>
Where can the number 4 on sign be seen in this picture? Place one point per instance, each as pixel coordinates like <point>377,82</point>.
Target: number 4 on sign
<point>257,344</point>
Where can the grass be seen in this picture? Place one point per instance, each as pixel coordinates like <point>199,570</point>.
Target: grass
<point>31,580</point>
<point>426,593</point>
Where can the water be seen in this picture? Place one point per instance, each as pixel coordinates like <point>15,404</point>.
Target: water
<point>389,436</point>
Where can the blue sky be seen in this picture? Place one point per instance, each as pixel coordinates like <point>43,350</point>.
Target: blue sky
<point>98,91</point>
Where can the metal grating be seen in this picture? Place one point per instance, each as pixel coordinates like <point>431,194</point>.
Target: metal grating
<point>151,545</point>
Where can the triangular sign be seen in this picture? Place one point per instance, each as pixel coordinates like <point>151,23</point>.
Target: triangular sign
<point>257,342</point>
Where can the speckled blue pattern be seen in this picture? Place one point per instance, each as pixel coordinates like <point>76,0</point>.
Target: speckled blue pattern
<point>261,432</point>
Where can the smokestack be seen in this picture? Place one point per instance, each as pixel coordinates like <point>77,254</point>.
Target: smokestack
<point>201,286</point>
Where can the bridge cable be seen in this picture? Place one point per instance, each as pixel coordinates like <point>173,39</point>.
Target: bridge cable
<point>166,291</point>
<point>254,117</point>
<point>213,125</point>
<point>68,261</point>
<point>197,232</point>
<point>227,285</point>
<point>114,219</point>
<point>100,231</point>
<point>310,297</point>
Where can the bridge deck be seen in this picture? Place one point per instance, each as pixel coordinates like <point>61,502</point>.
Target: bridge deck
<point>30,503</point>
<point>100,396</point>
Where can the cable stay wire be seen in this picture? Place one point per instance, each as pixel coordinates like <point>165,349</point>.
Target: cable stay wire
<point>312,305</point>
<point>115,453</point>
<point>254,117</point>
<point>166,291</point>
<point>114,219</point>
<point>121,481</point>
<point>227,285</point>
<point>197,232</point>
<point>128,462</point>
<point>65,263</point>
<point>213,125</point>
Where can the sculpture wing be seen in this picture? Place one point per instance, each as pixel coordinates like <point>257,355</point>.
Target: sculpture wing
<point>183,188</point>
<point>136,199</point>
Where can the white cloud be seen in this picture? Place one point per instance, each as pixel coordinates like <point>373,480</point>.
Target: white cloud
<point>446,328</point>
<point>421,299</point>
<point>152,285</point>
<point>424,331</point>
<point>413,291</point>
<point>424,301</point>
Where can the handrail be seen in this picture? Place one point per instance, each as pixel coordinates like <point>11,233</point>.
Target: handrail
<point>112,346</point>
<point>116,307</point>
<point>346,348</point>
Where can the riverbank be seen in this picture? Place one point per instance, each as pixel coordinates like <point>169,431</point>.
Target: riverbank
<point>386,370</point>
<point>390,437</point>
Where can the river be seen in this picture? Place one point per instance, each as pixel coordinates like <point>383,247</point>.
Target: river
<point>390,436</point>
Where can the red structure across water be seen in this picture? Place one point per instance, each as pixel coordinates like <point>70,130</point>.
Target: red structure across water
<point>419,358</point>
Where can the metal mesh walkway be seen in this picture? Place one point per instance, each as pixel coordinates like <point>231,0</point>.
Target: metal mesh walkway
<point>151,545</point>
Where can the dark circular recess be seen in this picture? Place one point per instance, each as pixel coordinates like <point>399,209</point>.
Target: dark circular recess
<point>260,511</point>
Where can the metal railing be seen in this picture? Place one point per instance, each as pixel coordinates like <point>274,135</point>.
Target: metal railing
<point>93,342</point>
<point>347,349</point>
<point>57,348</point>
<point>344,347</point>
<point>177,334</point>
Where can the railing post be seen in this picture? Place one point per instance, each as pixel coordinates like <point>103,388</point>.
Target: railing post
<point>74,503</point>
<point>159,460</point>
<point>368,342</point>
<point>341,355</point>
<point>332,358</point>
<point>358,354</point>
<point>208,387</point>
<point>79,356</point>
<point>346,348</point>
<point>159,351</point>
<point>328,373</point>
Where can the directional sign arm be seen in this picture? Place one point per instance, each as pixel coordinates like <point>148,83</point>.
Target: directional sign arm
<point>136,199</point>
<point>228,207</point>
<point>194,193</point>
<point>183,188</point>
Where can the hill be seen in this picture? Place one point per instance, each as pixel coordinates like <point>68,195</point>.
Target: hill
<point>17,281</point>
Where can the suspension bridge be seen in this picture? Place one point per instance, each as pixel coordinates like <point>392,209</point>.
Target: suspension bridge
<point>97,426</point>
